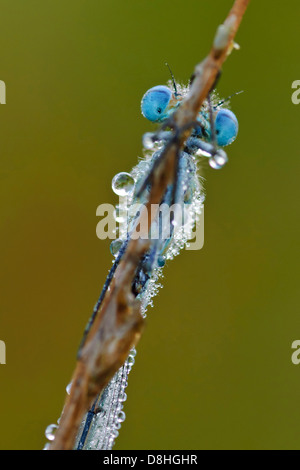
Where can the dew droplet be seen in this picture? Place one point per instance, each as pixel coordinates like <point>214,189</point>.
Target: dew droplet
<point>50,431</point>
<point>121,416</point>
<point>161,261</point>
<point>219,160</point>
<point>122,184</point>
<point>123,397</point>
<point>114,433</point>
<point>148,140</point>
<point>115,246</point>
<point>130,361</point>
<point>133,352</point>
<point>68,388</point>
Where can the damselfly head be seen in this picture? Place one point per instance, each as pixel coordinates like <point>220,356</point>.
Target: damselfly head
<point>227,126</point>
<point>158,103</point>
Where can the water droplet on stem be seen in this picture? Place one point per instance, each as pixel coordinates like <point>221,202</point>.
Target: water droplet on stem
<point>123,184</point>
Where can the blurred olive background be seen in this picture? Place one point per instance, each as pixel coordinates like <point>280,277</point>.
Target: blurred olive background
<point>213,369</point>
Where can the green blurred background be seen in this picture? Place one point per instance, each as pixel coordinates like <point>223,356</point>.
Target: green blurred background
<point>213,369</point>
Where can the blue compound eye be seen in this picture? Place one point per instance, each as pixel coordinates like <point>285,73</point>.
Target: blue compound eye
<point>155,103</point>
<point>227,127</point>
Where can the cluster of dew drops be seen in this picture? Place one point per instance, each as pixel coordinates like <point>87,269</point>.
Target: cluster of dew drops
<point>124,185</point>
<point>114,418</point>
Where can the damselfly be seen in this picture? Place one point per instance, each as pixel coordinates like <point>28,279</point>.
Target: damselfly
<point>216,127</point>
<point>190,127</point>
<point>170,230</point>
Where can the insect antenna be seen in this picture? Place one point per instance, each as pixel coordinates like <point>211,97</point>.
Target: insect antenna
<point>173,80</point>
<point>228,99</point>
